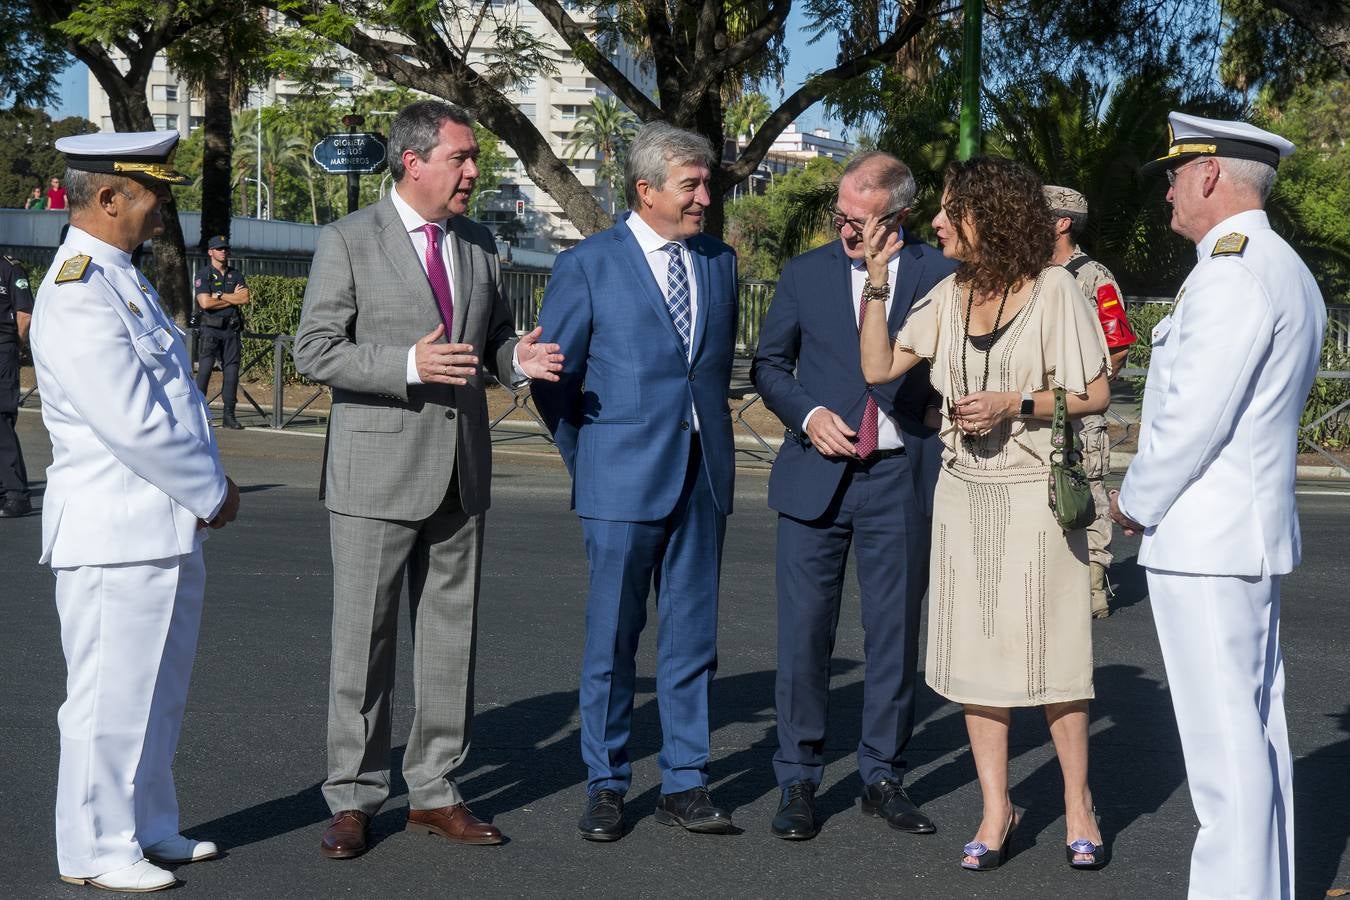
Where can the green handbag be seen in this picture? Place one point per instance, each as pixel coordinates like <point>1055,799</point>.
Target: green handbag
<point>1070,494</point>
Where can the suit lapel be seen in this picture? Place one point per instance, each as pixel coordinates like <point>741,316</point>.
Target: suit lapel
<point>398,249</point>
<point>642,276</point>
<point>462,260</point>
<point>846,313</point>
<point>907,284</point>
<point>703,279</point>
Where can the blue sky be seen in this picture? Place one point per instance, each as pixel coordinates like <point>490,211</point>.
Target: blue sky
<point>74,93</point>
<point>802,61</point>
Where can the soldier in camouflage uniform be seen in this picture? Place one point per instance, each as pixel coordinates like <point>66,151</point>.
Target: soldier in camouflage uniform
<point>1099,286</point>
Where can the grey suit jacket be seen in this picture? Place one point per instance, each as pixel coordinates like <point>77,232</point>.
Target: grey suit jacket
<point>393,447</point>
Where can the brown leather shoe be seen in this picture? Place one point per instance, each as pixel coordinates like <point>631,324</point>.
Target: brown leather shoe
<point>454,823</point>
<point>346,835</point>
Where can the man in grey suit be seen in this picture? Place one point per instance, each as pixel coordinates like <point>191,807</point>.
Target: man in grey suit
<point>404,299</point>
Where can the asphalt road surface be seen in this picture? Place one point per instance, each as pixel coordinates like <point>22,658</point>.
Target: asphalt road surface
<point>252,755</point>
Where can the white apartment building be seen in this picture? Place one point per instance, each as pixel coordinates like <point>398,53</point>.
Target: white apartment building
<point>810,144</point>
<point>553,102</point>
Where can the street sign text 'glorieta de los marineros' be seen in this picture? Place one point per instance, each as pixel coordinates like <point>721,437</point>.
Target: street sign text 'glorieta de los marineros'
<point>347,153</point>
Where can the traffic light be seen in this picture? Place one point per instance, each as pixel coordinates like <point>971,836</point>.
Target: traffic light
<point>520,209</point>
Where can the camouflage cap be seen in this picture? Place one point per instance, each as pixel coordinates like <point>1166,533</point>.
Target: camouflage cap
<point>1065,200</point>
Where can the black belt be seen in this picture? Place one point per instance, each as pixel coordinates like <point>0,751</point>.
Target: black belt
<point>878,455</point>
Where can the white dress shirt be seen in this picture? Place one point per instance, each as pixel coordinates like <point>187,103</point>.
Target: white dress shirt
<point>888,431</point>
<point>653,248</point>
<point>413,223</point>
<point>658,259</point>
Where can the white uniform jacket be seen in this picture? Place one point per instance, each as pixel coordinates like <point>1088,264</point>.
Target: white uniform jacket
<point>1213,481</point>
<point>134,461</point>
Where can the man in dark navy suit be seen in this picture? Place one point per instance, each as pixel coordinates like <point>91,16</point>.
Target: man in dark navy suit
<point>645,315</point>
<point>857,468</point>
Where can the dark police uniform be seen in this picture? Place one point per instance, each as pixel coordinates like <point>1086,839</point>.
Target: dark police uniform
<point>219,332</point>
<point>15,296</point>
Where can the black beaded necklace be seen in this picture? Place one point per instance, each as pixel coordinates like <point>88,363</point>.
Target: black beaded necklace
<point>965,342</point>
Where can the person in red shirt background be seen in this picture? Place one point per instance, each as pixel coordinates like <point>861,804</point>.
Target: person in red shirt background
<point>56,195</point>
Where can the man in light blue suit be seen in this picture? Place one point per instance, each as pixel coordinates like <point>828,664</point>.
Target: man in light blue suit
<point>857,469</point>
<point>645,316</point>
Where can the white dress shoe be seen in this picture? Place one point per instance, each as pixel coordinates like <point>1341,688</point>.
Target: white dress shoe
<point>141,877</point>
<point>179,849</point>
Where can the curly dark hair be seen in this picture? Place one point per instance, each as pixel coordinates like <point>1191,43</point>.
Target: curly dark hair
<point>1014,228</point>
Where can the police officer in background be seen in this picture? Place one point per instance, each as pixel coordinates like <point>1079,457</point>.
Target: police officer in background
<point>16,311</point>
<point>221,290</point>
<point>1070,209</point>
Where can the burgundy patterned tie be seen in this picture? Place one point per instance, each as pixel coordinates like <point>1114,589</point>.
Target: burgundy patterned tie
<point>440,281</point>
<point>867,429</point>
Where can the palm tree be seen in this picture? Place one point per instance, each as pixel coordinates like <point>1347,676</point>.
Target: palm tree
<point>745,114</point>
<point>282,150</point>
<point>218,60</point>
<point>606,129</point>
<point>1095,139</point>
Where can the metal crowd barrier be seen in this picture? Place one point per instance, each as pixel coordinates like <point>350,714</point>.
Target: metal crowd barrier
<point>742,390</point>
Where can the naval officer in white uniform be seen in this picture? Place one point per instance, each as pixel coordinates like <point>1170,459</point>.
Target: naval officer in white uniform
<point>1212,489</point>
<point>134,484</point>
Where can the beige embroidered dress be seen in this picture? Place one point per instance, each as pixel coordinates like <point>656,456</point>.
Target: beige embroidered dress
<point>1008,602</point>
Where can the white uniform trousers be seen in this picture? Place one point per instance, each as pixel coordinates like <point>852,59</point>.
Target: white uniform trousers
<point>1220,638</point>
<point>129,633</point>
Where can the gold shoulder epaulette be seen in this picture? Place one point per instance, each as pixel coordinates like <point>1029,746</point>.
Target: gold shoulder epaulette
<point>1232,244</point>
<point>73,269</point>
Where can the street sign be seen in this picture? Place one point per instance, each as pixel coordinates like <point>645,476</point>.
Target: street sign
<point>344,154</point>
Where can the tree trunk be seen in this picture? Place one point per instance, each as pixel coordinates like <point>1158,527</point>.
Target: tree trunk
<point>711,124</point>
<point>545,169</point>
<point>1328,21</point>
<point>217,153</point>
<point>309,180</point>
<point>131,112</point>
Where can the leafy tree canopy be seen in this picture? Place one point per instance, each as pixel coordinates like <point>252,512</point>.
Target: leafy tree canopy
<point>300,190</point>
<point>31,58</point>
<point>28,155</point>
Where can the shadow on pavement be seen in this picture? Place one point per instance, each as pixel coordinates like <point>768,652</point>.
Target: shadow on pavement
<point>253,488</point>
<point>1131,585</point>
<point>1322,813</point>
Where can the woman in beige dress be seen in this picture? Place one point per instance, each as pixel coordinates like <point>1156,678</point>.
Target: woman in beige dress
<point>1008,617</point>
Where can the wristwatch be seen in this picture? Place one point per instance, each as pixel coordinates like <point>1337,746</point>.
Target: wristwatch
<point>1028,406</point>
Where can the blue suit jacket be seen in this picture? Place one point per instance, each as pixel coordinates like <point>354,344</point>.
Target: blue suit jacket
<point>621,413</point>
<point>808,357</point>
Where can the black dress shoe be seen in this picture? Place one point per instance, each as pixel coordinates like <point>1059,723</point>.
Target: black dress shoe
<point>229,421</point>
<point>796,819</point>
<point>693,810</point>
<point>14,507</point>
<point>887,799</point>
<point>603,819</point>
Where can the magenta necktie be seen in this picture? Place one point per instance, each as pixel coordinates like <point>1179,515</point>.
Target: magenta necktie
<point>436,274</point>
<point>867,429</point>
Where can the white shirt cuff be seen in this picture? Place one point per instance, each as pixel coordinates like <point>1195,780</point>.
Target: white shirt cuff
<point>413,377</point>
<point>807,420</point>
<point>518,376</point>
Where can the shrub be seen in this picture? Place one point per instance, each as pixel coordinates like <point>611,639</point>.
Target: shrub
<point>274,308</point>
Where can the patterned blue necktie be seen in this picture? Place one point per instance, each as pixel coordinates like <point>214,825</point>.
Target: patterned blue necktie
<point>677,292</point>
